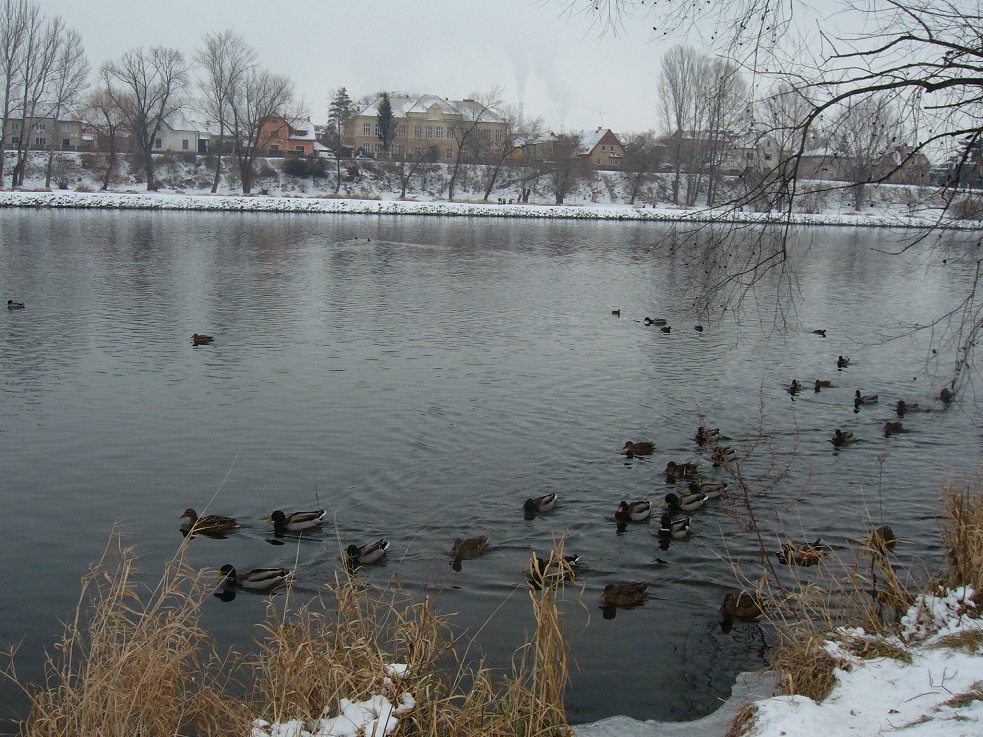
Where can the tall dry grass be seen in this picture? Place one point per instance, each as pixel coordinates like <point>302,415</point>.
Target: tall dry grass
<point>136,661</point>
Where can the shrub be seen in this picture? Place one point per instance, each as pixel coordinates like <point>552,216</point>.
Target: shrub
<point>967,208</point>
<point>296,167</point>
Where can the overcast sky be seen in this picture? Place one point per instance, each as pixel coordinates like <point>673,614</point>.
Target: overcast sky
<point>557,65</point>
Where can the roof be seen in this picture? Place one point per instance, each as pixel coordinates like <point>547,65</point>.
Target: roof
<point>403,106</point>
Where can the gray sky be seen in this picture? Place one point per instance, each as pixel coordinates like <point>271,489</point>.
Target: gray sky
<point>558,65</point>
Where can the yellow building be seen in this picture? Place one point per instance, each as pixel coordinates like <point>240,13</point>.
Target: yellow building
<point>426,121</point>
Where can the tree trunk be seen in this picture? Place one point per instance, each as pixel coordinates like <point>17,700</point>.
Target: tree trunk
<point>218,170</point>
<point>47,172</point>
<point>246,175</point>
<point>494,178</point>
<point>450,185</point>
<point>107,177</point>
<point>148,167</point>
<point>337,180</point>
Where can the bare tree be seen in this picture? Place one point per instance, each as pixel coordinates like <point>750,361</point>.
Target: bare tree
<point>260,97</point>
<point>643,154</point>
<point>41,42</point>
<point>101,112</point>
<point>727,104</point>
<point>70,79</point>
<point>408,165</point>
<point>147,85</point>
<point>678,89</point>
<point>862,135</point>
<point>225,58</point>
<point>476,112</point>
<point>564,168</point>
<point>13,28</point>
<point>517,132</point>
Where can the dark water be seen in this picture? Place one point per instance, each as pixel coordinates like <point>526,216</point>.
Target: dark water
<point>431,379</point>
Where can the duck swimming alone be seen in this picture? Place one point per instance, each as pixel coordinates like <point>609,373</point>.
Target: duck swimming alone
<point>795,386</point>
<point>841,437</point>
<point>657,321</point>
<point>641,448</point>
<point>842,362</point>
<point>470,547</point>
<point>947,395</point>
<point>902,406</point>
<point>891,428</point>
<point>296,521</point>
<point>197,339</point>
<point>882,539</point>
<point>745,606</point>
<point>633,512</point>
<point>366,555</point>
<point>11,305</point>
<point>257,579</point>
<point>209,524</point>
<point>859,398</point>
<point>629,593</point>
<point>540,504</point>
<point>823,384</point>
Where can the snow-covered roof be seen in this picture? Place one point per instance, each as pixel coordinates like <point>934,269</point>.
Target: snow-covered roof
<point>403,106</point>
<point>182,121</point>
<point>302,129</point>
<point>590,139</point>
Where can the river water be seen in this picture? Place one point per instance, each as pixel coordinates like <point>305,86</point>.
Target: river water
<point>430,374</point>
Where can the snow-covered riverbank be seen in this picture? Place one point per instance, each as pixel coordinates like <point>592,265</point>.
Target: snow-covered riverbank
<point>261,203</point>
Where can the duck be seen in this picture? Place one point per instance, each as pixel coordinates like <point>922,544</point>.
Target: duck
<point>947,395</point>
<point>657,321</point>
<point>470,547</point>
<point>842,362</point>
<point>540,569</point>
<point>745,606</point>
<point>902,406</point>
<point>891,428</point>
<point>676,471</point>
<point>698,328</point>
<point>806,554</point>
<point>641,448</point>
<point>706,434</point>
<point>666,329</point>
<point>821,332</point>
<point>617,312</point>
<point>859,398</point>
<point>882,539</point>
<point>633,512</point>
<point>628,593</point>
<point>723,455</point>
<point>209,524</point>
<point>297,521</point>
<point>670,526</point>
<point>366,555</point>
<point>257,579</point>
<point>795,386</point>
<point>540,504</point>
<point>823,384</point>
<point>197,339</point>
<point>842,437</point>
<point>685,502</point>
<point>11,305</point>
<point>711,488</point>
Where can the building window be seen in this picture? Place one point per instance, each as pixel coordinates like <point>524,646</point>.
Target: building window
<point>15,140</point>
<point>598,161</point>
<point>366,129</point>
<point>417,150</point>
<point>498,152</point>
<point>418,131</point>
<point>450,153</point>
<point>376,130</point>
<point>378,148</point>
<point>440,131</point>
<point>66,127</point>
<point>767,157</point>
<point>157,143</point>
<point>429,131</point>
<point>40,126</point>
<point>400,149</point>
<point>274,147</point>
<point>299,149</point>
<point>66,142</point>
<point>486,135</point>
<point>275,135</point>
<point>15,125</point>
<point>184,144</point>
<point>401,131</point>
<point>39,141</point>
<point>498,135</point>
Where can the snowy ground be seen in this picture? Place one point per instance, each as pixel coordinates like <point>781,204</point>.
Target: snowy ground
<point>938,694</point>
<point>267,203</point>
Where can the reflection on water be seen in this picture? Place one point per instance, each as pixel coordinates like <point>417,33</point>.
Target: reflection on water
<point>426,383</point>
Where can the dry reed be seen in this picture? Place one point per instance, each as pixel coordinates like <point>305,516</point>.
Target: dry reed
<point>135,661</point>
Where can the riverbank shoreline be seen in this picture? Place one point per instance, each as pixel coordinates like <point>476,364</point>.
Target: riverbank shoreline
<point>345,206</point>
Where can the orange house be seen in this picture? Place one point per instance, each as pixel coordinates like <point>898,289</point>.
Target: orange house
<point>282,137</point>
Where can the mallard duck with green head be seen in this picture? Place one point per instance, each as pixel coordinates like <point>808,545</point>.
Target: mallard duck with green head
<point>625,594</point>
<point>675,527</point>
<point>745,606</point>
<point>859,399</point>
<point>256,579</point>
<point>687,502</point>
<point>367,554</point>
<point>214,524</point>
<point>842,437</point>
<point>633,511</point>
<point>540,504</point>
<point>11,305</point>
<point>297,521</point>
<point>565,569</point>
<point>470,547</point>
<point>842,362</point>
<point>902,406</point>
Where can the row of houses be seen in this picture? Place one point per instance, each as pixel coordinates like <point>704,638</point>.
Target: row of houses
<point>434,124</point>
